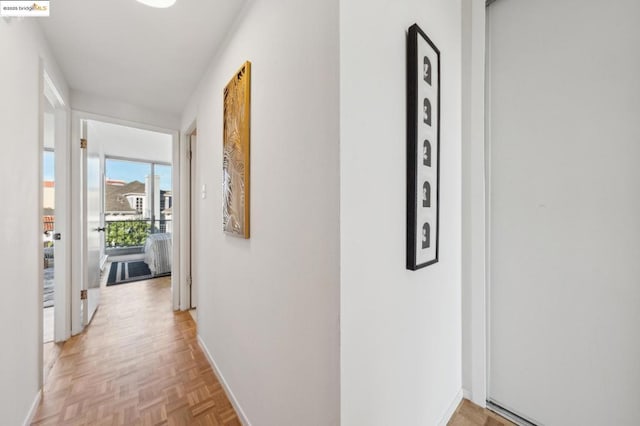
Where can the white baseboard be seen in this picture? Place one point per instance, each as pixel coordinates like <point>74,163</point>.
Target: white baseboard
<point>452,409</point>
<point>236,405</point>
<point>33,409</point>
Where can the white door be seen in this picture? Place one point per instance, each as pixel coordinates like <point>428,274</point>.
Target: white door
<point>92,195</point>
<point>61,243</point>
<point>564,269</point>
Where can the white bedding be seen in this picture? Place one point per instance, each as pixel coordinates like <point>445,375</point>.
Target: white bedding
<point>157,253</point>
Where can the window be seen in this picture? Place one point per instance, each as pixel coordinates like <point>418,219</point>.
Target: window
<point>137,201</point>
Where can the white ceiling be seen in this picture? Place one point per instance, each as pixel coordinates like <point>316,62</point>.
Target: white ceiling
<point>126,51</point>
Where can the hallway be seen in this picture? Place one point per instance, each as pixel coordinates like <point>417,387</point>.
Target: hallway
<point>138,363</point>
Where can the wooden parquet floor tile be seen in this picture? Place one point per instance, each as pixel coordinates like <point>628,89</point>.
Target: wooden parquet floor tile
<point>469,414</point>
<point>138,363</point>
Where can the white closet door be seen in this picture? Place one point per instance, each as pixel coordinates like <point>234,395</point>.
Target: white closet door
<point>564,190</point>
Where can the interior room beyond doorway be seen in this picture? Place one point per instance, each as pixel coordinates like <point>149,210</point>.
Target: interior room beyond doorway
<point>136,220</point>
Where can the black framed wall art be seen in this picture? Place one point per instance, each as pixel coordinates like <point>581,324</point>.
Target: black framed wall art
<point>423,149</point>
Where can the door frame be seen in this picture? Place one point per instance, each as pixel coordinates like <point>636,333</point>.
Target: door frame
<point>475,200</point>
<point>186,277</point>
<point>193,171</point>
<point>79,268</point>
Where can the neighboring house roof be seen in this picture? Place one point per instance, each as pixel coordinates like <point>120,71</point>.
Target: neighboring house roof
<point>115,196</point>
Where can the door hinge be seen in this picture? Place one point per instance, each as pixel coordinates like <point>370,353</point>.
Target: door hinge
<point>190,281</point>
<point>83,295</point>
<point>83,144</point>
<point>190,155</point>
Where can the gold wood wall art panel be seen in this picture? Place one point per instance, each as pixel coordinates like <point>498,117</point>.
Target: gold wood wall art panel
<point>236,155</point>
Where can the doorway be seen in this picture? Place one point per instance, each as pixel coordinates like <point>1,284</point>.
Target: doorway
<point>55,211</point>
<point>127,220</point>
<point>48,225</point>
<point>193,191</point>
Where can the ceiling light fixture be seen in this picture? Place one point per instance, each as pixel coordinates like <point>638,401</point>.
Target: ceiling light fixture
<point>158,3</point>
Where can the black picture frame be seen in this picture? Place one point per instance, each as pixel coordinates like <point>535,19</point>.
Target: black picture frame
<point>423,150</point>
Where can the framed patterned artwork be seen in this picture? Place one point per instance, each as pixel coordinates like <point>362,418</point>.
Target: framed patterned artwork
<point>423,149</point>
<point>236,153</point>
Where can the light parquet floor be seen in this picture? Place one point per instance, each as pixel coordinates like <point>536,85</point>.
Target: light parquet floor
<point>469,414</point>
<point>138,363</point>
<point>50,353</point>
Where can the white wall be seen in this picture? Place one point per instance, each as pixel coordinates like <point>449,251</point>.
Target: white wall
<point>565,203</point>
<point>22,45</point>
<point>400,330</point>
<point>49,127</point>
<point>129,142</point>
<point>94,104</point>
<point>268,306</point>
